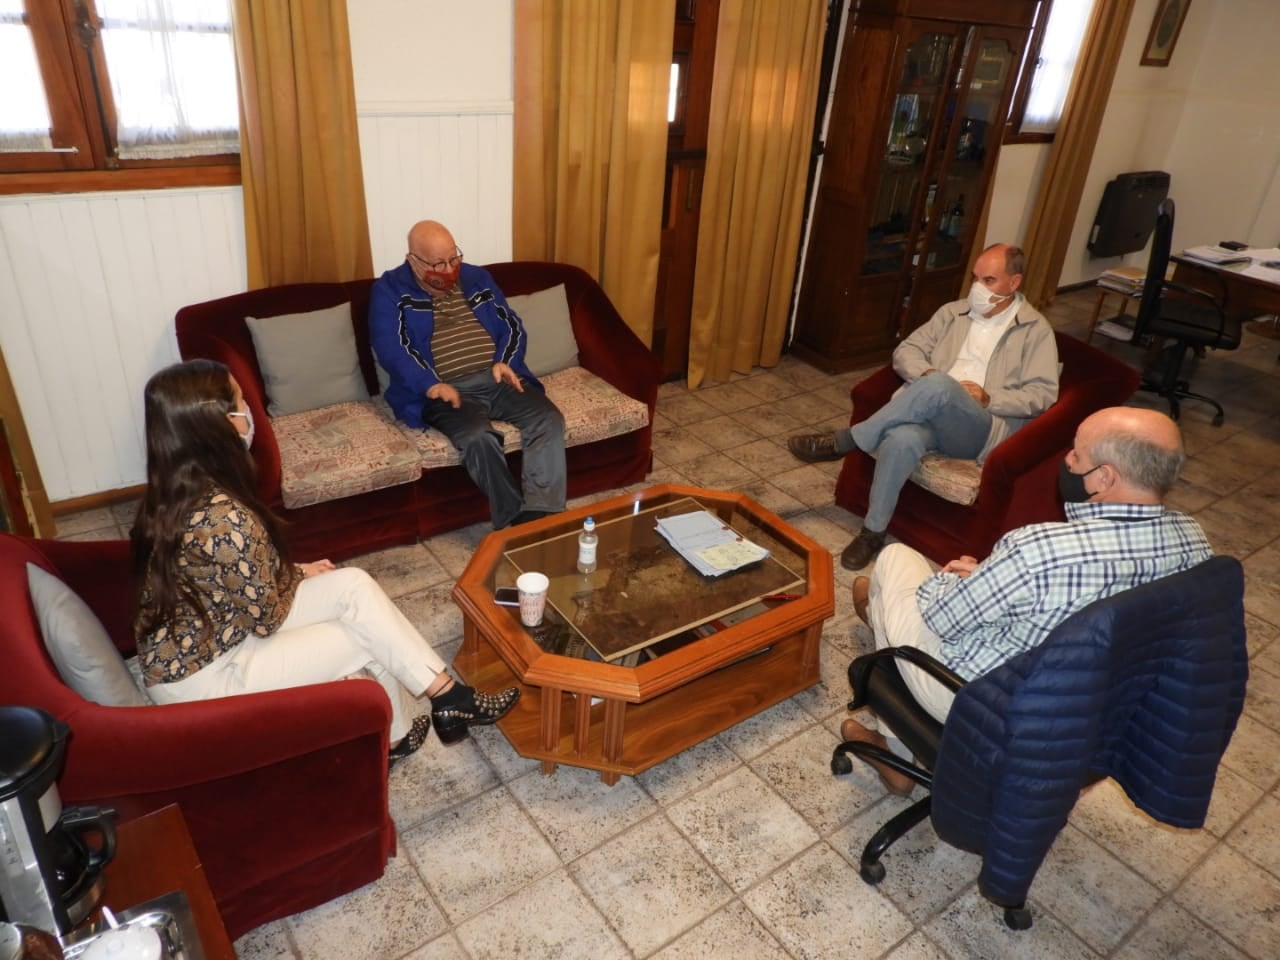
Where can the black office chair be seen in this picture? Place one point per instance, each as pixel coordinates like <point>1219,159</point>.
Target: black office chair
<point>1144,686</point>
<point>1185,318</point>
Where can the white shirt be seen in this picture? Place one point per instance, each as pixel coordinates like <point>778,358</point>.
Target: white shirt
<point>984,334</point>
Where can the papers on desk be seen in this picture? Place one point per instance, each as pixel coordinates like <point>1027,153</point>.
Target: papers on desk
<point>1217,255</point>
<point>708,543</point>
<point>1263,265</point>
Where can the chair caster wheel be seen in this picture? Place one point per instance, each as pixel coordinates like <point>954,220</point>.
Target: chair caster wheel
<point>1017,918</point>
<point>841,764</point>
<point>873,872</point>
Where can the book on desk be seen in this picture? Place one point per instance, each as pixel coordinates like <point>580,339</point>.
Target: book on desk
<point>1217,255</point>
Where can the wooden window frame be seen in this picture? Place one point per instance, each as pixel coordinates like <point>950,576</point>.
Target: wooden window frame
<point>83,115</point>
<point>1026,72</point>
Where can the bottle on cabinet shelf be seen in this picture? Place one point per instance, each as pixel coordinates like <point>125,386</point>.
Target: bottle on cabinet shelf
<point>954,226</point>
<point>588,541</point>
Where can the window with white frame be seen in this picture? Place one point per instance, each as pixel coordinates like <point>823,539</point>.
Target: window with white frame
<point>1048,68</point>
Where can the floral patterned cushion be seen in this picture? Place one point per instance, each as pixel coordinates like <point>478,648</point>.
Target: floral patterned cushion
<point>340,451</point>
<point>948,478</point>
<point>593,410</point>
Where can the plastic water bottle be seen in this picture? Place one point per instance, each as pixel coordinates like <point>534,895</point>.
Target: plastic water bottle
<point>588,540</point>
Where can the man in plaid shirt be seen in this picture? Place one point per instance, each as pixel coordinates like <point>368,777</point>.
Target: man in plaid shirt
<point>974,616</point>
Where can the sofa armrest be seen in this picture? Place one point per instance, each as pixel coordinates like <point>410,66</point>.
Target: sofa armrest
<point>177,746</point>
<point>610,349</point>
<point>871,394</point>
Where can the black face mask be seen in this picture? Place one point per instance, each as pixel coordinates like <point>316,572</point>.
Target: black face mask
<point>1071,485</point>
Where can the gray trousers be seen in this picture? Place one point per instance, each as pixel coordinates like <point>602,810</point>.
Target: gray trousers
<point>932,413</point>
<point>469,428</point>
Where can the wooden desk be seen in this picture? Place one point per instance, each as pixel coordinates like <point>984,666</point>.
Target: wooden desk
<point>155,856</point>
<point>1245,297</point>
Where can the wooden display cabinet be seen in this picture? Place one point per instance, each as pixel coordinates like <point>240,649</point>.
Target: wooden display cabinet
<point>921,98</point>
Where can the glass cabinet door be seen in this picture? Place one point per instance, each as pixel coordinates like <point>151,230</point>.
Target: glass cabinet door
<point>917,119</point>
<point>957,203</point>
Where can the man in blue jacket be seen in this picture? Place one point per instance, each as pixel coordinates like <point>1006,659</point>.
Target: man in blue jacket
<point>454,351</point>
<point>974,616</point>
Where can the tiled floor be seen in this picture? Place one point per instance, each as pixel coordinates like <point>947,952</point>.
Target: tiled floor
<point>744,846</point>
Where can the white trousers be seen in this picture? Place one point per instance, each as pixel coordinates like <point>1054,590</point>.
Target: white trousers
<point>341,623</point>
<point>896,622</point>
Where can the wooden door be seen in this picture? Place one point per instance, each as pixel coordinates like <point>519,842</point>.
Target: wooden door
<point>693,60</point>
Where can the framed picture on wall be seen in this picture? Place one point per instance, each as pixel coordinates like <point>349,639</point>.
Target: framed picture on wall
<point>1164,32</point>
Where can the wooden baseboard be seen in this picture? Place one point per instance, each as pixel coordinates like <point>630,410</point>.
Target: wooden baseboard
<point>92,501</point>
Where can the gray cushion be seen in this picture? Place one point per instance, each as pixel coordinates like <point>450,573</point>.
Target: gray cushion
<point>79,646</point>
<point>308,360</point>
<point>545,314</point>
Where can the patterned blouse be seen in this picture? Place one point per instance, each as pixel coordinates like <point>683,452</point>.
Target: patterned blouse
<point>232,563</point>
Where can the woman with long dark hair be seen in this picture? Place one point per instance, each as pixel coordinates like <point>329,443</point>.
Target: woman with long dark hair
<point>222,609</point>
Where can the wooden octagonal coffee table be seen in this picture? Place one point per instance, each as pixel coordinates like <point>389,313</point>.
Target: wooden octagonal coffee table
<point>644,657</point>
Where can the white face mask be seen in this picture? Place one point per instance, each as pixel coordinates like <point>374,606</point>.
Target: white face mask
<point>247,436</point>
<point>981,300</point>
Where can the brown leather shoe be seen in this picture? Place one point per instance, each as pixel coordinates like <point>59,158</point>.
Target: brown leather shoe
<point>814,447</point>
<point>862,549</point>
<point>899,784</point>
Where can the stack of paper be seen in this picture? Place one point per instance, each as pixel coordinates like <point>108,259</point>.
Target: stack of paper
<point>707,542</point>
<point>1216,254</point>
<point>1126,280</point>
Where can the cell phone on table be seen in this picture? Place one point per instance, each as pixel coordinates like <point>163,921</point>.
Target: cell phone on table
<point>506,596</point>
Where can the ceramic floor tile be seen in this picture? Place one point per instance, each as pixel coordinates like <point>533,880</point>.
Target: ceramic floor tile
<point>922,873</point>
<point>1262,635</point>
<point>456,852</point>
<point>1238,899</point>
<point>807,484</point>
<point>688,770</point>
<point>818,907</point>
<point>763,456</point>
<point>500,754</point>
<point>772,499</point>
<point>1254,753</point>
<point>436,778</point>
<point>549,918</point>
<point>916,947</point>
<point>651,884</point>
<point>799,770</point>
<point>770,388</point>
<point>441,948</point>
<point>1160,853</point>
<point>812,411</point>
<point>1233,797</point>
<point>433,612</point>
<point>380,920</point>
<point>1262,696</point>
<point>768,421</point>
<point>1256,836</point>
<point>717,471</point>
<point>754,735</point>
<point>401,570</point>
<point>723,432</point>
<point>972,928</point>
<point>453,550</point>
<point>111,532</point>
<point>576,811</point>
<point>729,397</point>
<point>830,696</point>
<point>1092,891</point>
<point>1232,532</point>
<point>1172,933</point>
<point>733,933</point>
<point>676,446</point>
<point>268,942</point>
<point>71,524</point>
<point>686,408</point>
<point>742,827</point>
<point>829,533</point>
<point>125,513</point>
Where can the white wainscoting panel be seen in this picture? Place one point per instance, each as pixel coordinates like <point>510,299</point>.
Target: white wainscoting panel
<point>446,162</point>
<point>89,284</point>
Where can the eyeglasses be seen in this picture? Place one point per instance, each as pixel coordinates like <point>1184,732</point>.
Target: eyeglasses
<point>439,264</point>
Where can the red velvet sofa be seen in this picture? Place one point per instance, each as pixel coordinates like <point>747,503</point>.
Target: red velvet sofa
<point>443,498</point>
<point>1018,481</point>
<point>285,793</point>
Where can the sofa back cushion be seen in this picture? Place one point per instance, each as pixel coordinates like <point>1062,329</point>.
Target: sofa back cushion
<point>79,646</point>
<point>308,360</point>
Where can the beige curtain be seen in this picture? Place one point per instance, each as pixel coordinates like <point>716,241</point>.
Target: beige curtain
<point>591,82</point>
<point>763,94</point>
<point>304,210</point>
<point>1054,215</point>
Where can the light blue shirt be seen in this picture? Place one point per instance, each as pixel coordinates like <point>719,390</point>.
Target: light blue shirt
<point>1040,574</point>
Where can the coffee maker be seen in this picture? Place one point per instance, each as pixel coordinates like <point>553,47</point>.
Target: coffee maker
<point>50,872</point>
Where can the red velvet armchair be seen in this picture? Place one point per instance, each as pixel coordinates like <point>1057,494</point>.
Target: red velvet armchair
<point>443,498</point>
<point>285,793</point>
<point>1018,483</point>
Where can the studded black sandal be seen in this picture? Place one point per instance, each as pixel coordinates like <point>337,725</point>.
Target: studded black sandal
<point>454,713</point>
<point>414,739</point>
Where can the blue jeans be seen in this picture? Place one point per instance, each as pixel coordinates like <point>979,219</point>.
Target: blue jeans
<point>933,413</point>
<point>541,427</point>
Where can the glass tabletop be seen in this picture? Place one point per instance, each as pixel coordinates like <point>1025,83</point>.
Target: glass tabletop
<point>644,599</point>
